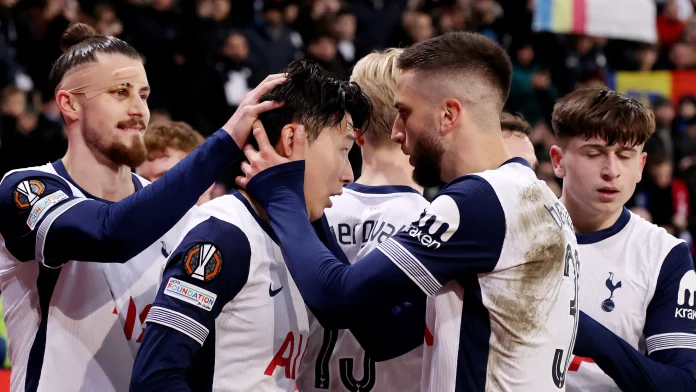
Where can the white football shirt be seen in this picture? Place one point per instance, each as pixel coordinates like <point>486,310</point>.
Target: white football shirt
<point>226,287</point>
<point>497,255</point>
<point>361,218</point>
<point>639,282</point>
<point>77,326</point>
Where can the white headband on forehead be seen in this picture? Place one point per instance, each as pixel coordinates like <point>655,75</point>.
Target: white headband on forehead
<point>95,78</point>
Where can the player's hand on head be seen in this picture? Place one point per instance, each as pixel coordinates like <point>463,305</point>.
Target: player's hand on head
<point>267,157</point>
<point>240,124</point>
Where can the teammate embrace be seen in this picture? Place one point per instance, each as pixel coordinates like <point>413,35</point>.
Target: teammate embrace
<point>302,279</point>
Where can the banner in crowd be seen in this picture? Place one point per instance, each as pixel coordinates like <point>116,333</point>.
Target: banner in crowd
<point>633,20</point>
<point>646,86</point>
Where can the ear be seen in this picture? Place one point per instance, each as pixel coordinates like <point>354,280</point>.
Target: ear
<point>287,136</point>
<point>451,115</point>
<point>643,158</point>
<point>557,161</point>
<point>68,105</point>
<point>359,138</point>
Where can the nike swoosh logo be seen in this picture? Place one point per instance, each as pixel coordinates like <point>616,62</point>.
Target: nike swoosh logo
<point>272,292</point>
<point>164,249</point>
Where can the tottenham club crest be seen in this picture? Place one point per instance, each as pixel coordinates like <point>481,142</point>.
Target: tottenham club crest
<point>203,261</point>
<point>608,304</point>
<point>28,192</point>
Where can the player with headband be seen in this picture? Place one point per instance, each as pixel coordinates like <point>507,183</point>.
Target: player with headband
<point>75,325</point>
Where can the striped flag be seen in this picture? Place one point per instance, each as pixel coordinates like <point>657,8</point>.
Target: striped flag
<point>633,20</point>
<point>646,86</point>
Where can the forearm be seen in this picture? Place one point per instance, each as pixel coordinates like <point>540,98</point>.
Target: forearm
<point>328,285</point>
<point>115,233</point>
<point>162,361</point>
<point>630,369</point>
<point>390,334</point>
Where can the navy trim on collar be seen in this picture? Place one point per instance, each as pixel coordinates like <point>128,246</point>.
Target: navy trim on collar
<point>60,169</point>
<point>264,225</point>
<point>601,235</point>
<point>380,189</point>
<point>519,160</point>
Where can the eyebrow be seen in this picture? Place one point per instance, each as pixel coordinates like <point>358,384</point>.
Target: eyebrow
<point>604,147</point>
<point>142,89</point>
<point>350,132</point>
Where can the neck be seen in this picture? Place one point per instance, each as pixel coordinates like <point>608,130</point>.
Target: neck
<point>588,223</point>
<point>477,152</point>
<point>256,206</point>
<point>386,166</point>
<point>96,174</point>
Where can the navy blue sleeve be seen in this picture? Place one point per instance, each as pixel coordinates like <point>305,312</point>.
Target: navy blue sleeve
<point>323,230</point>
<point>25,199</point>
<point>671,316</point>
<point>155,369</point>
<point>85,229</point>
<point>326,283</point>
<point>383,333</point>
<point>631,370</point>
<point>460,233</point>
<point>206,271</point>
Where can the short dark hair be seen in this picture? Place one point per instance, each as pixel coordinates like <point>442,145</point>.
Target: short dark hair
<point>602,113</point>
<point>81,45</point>
<point>314,98</point>
<point>462,52</point>
<point>515,123</point>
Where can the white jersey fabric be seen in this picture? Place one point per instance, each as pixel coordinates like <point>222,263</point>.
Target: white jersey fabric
<point>497,255</point>
<point>76,326</point>
<point>360,219</point>
<point>636,281</point>
<point>226,287</point>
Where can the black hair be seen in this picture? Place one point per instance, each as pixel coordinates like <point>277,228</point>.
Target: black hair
<point>315,98</point>
<point>81,45</point>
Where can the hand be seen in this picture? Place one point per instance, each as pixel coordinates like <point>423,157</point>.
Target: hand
<point>266,157</point>
<point>239,125</point>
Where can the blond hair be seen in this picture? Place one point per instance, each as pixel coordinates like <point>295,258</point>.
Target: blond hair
<point>376,75</point>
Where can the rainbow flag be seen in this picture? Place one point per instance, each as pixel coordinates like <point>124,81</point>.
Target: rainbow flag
<point>646,86</point>
<point>633,20</point>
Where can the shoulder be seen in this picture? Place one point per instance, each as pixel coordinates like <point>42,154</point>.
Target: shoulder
<point>657,235</point>
<point>211,243</point>
<point>26,197</point>
<point>27,193</point>
<point>655,242</point>
<point>472,193</point>
<point>460,203</point>
<point>208,224</point>
<point>32,182</point>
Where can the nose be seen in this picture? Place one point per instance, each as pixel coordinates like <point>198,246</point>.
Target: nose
<point>610,171</point>
<point>347,174</point>
<point>138,107</point>
<point>398,135</point>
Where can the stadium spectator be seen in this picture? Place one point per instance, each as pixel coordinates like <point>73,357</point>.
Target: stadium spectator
<point>167,143</point>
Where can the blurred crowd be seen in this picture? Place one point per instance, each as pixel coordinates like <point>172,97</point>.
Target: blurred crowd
<point>204,55</point>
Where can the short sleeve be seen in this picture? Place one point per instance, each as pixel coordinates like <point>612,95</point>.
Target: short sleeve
<point>207,270</point>
<point>460,232</point>
<point>671,315</point>
<point>29,201</point>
